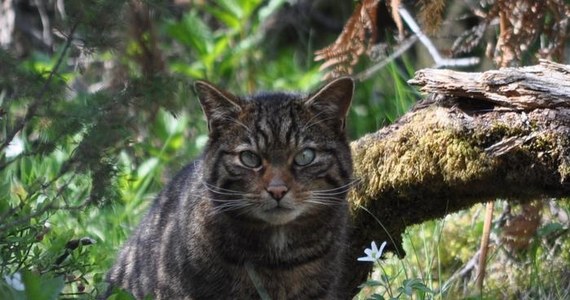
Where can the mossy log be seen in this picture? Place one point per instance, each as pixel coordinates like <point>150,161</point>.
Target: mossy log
<point>474,138</point>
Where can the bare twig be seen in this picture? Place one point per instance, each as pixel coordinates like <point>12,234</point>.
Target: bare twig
<point>404,46</point>
<point>61,9</point>
<point>464,272</point>
<point>7,22</point>
<point>438,59</point>
<point>46,24</point>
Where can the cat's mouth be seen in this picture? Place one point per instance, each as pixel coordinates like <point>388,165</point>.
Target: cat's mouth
<point>280,209</point>
<point>279,214</point>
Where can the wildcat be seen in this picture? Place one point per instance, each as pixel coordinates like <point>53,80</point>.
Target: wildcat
<point>262,214</point>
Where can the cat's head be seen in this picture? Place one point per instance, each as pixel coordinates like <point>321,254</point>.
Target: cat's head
<point>276,157</point>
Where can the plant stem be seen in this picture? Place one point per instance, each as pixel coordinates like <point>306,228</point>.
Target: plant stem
<point>485,245</point>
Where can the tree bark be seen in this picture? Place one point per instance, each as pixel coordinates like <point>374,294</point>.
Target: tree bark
<point>476,136</point>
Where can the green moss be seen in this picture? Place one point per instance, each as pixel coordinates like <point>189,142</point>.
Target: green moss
<point>503,129</point>
<point>431,159</point>
<point>425,150</point>
<point>437,153</point>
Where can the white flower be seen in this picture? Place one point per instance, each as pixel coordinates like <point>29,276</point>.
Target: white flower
<point>15,281</point>
<point>374,254</point>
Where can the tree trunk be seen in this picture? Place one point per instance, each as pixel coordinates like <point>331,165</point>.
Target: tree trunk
<point>476,136</point>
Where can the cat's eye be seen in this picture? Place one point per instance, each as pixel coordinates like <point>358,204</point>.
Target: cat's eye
<point>305,157</point>
<point>250,159</point>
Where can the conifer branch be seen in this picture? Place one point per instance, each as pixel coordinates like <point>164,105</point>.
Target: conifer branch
<point>31,112</point>
<point>43,209</point>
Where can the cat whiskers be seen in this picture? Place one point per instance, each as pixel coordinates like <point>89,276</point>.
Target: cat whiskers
<point>221,191</point>
<point>329,197</point>
<point>324,201</point>
<point>237,201</point>
<point>222,205</point>
<point>338,190</point>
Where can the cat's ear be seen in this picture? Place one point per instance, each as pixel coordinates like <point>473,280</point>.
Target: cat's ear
<point>333,100</point>
<point>217,104</point>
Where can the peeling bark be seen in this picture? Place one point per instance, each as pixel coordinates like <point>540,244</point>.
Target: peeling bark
<point>476,136</point>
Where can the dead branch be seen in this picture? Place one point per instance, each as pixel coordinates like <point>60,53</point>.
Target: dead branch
<point>438,59</point>
<point>541,86</point>
<point>476,136</point>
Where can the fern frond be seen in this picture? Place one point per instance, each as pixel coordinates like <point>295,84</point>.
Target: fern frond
<point>356,38</point>
<point>469,39</point>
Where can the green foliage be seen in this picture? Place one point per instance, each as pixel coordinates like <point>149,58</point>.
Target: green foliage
<point>32,286</point>
<point>438,254</point>
<point>390,283</point>
<point>382,99</point>
<point>81,164</point>
<point>98,21</point>
<point>225,53</point>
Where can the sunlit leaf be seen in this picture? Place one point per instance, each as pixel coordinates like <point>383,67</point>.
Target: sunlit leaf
<point>193,33</point>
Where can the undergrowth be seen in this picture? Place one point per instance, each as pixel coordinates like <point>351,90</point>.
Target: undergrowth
<point>442,261</point>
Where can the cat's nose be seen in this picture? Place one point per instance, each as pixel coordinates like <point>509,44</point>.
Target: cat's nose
<point>277,191</point>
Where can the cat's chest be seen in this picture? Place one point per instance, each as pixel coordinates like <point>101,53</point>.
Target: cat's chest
<point>284,264</point>
<point>254,281</point>
<point>285,242</point>
<point>279,240</point>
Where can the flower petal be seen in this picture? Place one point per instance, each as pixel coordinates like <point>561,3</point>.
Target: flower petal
<point>378,255</point>
<point>366,258</point>
<point>374,247</point>
<point>382,248</point>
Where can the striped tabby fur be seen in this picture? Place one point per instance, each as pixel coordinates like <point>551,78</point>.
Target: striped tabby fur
<point>263,213</point>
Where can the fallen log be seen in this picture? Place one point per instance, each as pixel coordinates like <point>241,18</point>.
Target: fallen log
<point>475,137</point>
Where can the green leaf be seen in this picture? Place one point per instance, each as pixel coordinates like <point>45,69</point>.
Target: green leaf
<point>376,297</point>
<point>193,70</point>
<point>233,7</point>
<point>229,19</point>
<point>220,47</point>
<point>371,283</point>
<point>415,284</point>
<point>385,278</point>
<point>247,7</point>
<point>193,33</point>
<point>549,229</point>
<point>40,287</point>
<point>147,167</point>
